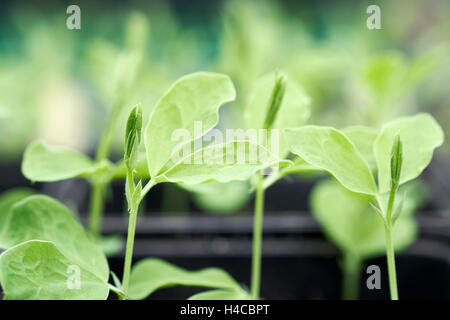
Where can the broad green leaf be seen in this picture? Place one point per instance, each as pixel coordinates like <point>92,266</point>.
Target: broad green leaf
<point>7,200</point>
<point>221,294</point>
<point>294,110</point>
<point>38,270</point>
<point>42,162</point>
<point>236,160</point>
<point>349,221</point>
<point>40,217</point>
<point>149,275</point>
<point>193,99</point>
<point>219,197</point>
<point>420,135</point>
<point>329,149</point>
<point>363,138</point>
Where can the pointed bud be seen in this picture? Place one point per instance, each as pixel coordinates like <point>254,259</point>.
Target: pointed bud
<point>396,162</point>
<point>133,137</point>
<point>275,100</point>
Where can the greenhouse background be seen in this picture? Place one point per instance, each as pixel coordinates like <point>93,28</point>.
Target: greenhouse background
<point>61,86</point>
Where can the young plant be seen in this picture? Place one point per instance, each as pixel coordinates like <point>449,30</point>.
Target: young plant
<point>272,106</point>
<point>402,150</point>
<point>48,252</point>
<point>349,221</point>
<point>193,98</point>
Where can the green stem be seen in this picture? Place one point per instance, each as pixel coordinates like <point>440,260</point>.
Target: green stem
<point>390,255</point>
<point>391,263</point>
<point>132,231</point>
<point>129,249</point>
<point>96,205</point>
<point>351,272</point>
<point>257,238</point>
<point>97,199</point>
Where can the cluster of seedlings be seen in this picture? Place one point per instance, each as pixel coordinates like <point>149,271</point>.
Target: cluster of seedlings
<point>364,207</point>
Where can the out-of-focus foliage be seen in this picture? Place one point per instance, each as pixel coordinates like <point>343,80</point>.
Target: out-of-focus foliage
<point>59,84</point>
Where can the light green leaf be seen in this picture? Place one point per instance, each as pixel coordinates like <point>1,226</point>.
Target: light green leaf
<point>220,294</point>
<point>37,270</point>
<point>42,162</point>
<point>40,217</point>
<point>351,223</point>
<point>193,98</point>
<point>235,160</point>
<point>420,135</point>
<point>363,138</point>
<point>329,149</point>
<point>7,200</point>
<point>133,137</point>
<point>294,110</point>
<point>149,275</point>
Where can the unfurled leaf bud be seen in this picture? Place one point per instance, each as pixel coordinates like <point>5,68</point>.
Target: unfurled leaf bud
<point>396,162</point>
<point>133,137</point>
<point>275,100</point>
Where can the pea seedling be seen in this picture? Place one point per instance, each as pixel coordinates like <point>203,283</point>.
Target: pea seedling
<point>272,106</point>
<point>349,221</point>
<point>43,232</point>
<point>402,150</point>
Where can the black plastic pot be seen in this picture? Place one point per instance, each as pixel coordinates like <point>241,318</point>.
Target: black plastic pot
<point>298,263</point>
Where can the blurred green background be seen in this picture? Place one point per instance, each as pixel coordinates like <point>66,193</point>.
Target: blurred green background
<point>59,84</point>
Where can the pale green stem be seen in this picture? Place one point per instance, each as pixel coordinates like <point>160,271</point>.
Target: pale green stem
<point>131,234</point>
<point>390,255</point>
<point>351,275</point>
<point>129,249</point>
<point>257,237</point>
<point>391,264</point>
<point>97,199</point>
<point>96,205</point>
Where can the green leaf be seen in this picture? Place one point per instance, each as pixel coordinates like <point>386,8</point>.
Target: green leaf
<point>195,97</point>
<point>275,101</point>
<point>133,137</point>
<point>40,217</point>
<point>294,110</point>
<point>220,294</point>
<point>329,149</point>
<point>349,221</point>
<point>7,200</point>
<point>396,162</point>
<point>42,162</point>
<point>38,270</point>
<point>363,138</point>
<point>149,275</point>
<point>420,135</point>
<point>235,160</point>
